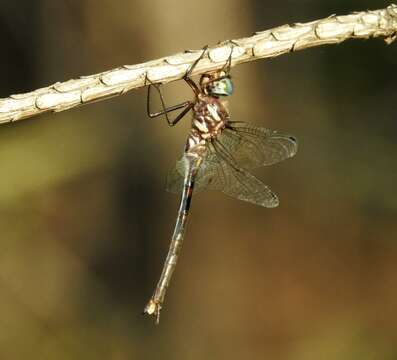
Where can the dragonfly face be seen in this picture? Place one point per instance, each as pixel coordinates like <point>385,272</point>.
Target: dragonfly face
<point>222,87</point>
<point>217,84</point>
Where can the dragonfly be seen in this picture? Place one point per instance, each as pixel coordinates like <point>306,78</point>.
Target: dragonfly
<point>218,155</point>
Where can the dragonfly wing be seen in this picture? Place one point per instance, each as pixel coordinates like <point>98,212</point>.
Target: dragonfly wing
<point>247,187</point>
<point>175,178</point>
<point>237,182</point>
<point>239,147</point>
<point>209,175</point>
<point>254,146</point>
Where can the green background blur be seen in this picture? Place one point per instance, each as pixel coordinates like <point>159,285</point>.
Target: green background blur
<point>85,222</point>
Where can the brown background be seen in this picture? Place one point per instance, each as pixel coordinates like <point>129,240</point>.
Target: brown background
<point>85,221</point>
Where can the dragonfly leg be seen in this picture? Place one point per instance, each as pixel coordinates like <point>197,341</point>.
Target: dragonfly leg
<point>192,85</point>
<point>187,78</point>
<point>228,64</point>
<point>187,105</point>
<point>189,72</point>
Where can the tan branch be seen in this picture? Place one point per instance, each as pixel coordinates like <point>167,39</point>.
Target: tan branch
<point>265,44</point>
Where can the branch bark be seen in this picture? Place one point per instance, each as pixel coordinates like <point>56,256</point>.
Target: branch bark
<point>264,44</point>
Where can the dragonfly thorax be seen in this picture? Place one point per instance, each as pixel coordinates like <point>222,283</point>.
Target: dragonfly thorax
<point>209,116</point>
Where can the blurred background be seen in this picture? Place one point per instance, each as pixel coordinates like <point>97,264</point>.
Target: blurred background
<point>85,222</point>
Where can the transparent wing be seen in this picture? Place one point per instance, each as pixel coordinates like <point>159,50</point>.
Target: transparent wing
<point>237,182</point>
<point>253,146</point>
<point>239,147</point>
<point>210,175</point>
<point>219,171</point>
<point>175,178</point>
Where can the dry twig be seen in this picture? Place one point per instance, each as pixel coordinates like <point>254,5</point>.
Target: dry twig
<point>265,44</point>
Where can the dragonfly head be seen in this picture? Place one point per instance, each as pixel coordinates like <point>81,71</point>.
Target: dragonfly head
<point>217,84</point>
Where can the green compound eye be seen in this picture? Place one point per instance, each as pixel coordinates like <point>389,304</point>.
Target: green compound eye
<point>223,87</point>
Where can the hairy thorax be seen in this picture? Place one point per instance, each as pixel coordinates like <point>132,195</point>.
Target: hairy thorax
<point>210,117</point>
